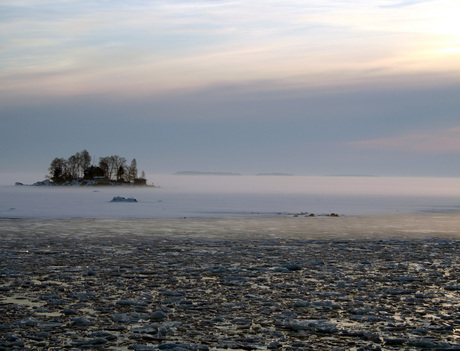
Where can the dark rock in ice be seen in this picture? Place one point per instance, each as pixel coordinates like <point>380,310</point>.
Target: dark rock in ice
<point>173,293</point>
<point>50,296</point>
<point>218,269</point>
<point>453,287</point>
<point>88,342</point>
<point>317,262</point>
<point>321,326</point>
<point>140,308</point>
<point>5,327</point>
<point>129,317</point>
<point>422,343</point>
<point>369,347</point>
<point>82,321</point>
<point>274,345</point>
<point>163,331</point>
<point>82,295</point>
<point>126,302</point>
<point>281,270</point>
<point>103,334</point>
<point>248,346</point>
<point>28,321</point>
<point>40,336</point>
<point>44,310</point>
<point>217,320</point>
<point>158,316</point>
<point>11,341</point>
<point>69,311</point>
<point>183,346</point>
<point>395,341</point>
<point>144,348</point>
<point>299,345</point>
<point>123,199</point>
<point>331,294</point>
<point>360,311</point>
<point>419,331</point>
<point>145,330</point>
<point>49,325</point>
<point>292,267</point>
<point>302,304</point>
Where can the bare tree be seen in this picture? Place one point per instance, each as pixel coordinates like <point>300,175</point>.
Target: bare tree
<point>76,164</point>
<point>72,166</point>
<point>104,164</point>
<point>58,170</point>
<point>111,166</point>
<point>117,162</point>
<point>132,170</point>
<point>84,161</point>
<point>120,173</point>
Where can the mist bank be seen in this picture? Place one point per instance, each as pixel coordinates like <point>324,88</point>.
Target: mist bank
<point>322,185</point>
<point>287,184</point>
<point>243,196</point>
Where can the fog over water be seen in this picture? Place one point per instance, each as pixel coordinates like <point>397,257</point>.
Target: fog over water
<point>242,205</point>
<point>237,196</point>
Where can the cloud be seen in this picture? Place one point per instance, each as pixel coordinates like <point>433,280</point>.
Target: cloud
<point>404,3</point>
<point>436,141</point>
<point>81,47</point>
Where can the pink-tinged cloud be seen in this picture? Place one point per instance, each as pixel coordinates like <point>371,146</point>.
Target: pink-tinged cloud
<point>436,141</point>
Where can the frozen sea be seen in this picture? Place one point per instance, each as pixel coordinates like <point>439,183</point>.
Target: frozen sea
<point>243,205</point>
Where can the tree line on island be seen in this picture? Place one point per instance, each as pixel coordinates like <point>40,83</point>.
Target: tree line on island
<point>111,170</point>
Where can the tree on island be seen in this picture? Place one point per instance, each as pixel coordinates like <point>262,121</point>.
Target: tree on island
<point>110,169</point>
<point>58,170</point>
<point>132,170</point>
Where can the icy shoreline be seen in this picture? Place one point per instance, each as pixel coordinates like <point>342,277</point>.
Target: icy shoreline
<point>163,292</point>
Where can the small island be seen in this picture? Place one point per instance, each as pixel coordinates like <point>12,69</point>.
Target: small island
<point>80,170</point>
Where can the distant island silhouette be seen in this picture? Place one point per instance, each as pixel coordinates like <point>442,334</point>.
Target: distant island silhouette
<point>276,174</point>
<point>206,173</point>
<point>228,173</point>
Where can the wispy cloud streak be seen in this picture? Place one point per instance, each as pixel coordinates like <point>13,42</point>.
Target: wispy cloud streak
<point>436,141</point>
<point>177,44</point>
<point>404,3</point>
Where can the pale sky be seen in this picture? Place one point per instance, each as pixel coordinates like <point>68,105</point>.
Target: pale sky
<point>313,87</point>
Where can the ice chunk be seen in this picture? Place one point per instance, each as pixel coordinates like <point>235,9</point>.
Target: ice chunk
<point>123,199</point>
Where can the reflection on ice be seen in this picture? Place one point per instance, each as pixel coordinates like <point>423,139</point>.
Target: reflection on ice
<point>406,226</point>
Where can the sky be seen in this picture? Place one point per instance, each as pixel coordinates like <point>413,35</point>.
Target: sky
<point>312,87</point>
